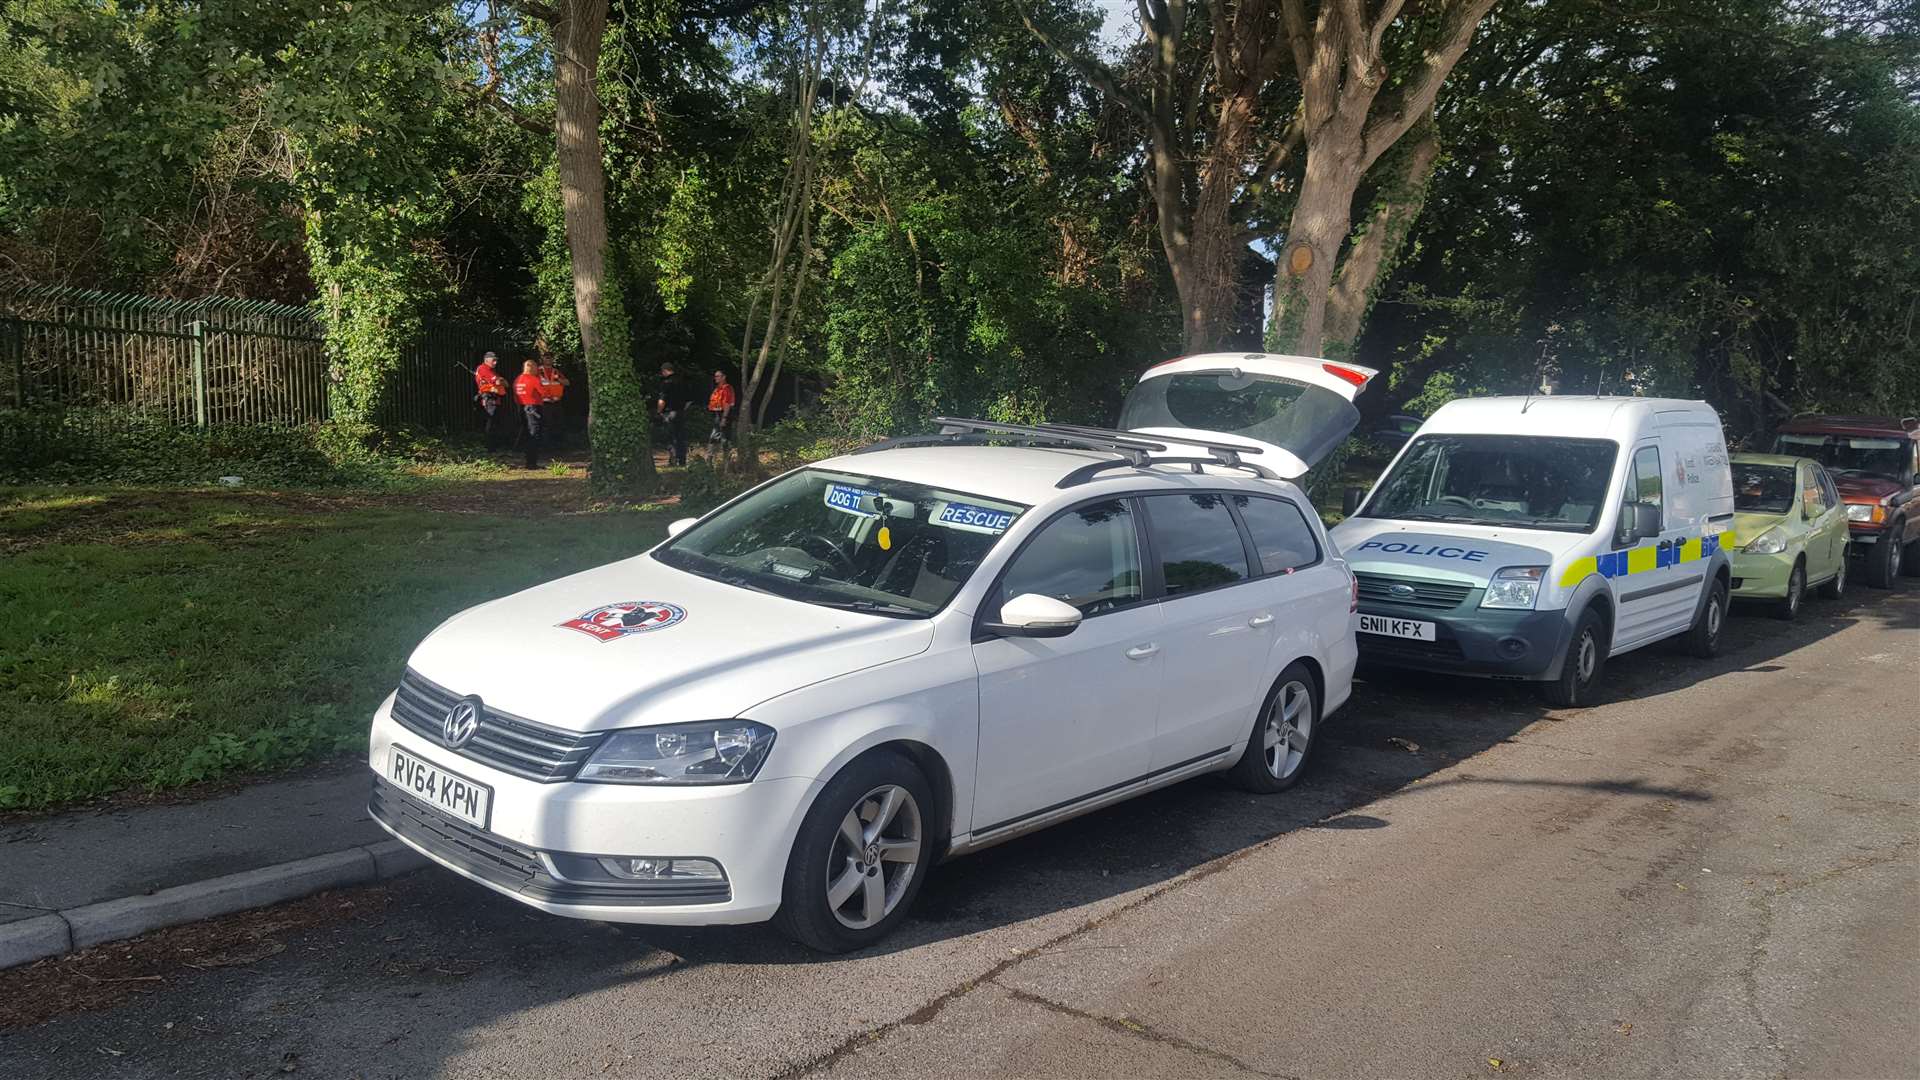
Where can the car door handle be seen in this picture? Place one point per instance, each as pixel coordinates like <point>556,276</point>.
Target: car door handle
<point>1142,652</point>
<point>1259,621</point>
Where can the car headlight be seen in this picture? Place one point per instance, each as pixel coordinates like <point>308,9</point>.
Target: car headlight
<point>1866,512</point>
<point>705,752</point>
<point>1514,587</point>
<point>1771,542</point>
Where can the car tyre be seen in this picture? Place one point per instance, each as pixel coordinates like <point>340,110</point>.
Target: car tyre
<point>837,897</point>
<point>1580,668</point>
<point>1703,639</point>
<point>1788,608</point>
<point>1883,560</point>
<point>1836,586</point>
<point>1284,735</point>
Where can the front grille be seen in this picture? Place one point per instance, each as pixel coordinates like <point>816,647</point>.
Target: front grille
<point>509,743</point>
<point>1443,651</point>
<point>477,850</point>
<point>1435,595</point>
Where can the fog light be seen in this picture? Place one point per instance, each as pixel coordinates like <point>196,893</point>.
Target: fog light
<point>1513,648</point>
<point>642,869</point>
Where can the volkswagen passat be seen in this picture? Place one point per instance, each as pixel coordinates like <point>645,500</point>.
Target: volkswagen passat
<point>797,704</point>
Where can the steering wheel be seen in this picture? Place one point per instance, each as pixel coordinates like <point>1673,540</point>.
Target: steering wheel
<point>832,548</point>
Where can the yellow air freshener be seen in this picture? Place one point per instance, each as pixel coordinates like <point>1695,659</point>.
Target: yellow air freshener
<point>886,539</point>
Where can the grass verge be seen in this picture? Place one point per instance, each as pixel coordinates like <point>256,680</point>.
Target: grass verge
<point>156,639</point>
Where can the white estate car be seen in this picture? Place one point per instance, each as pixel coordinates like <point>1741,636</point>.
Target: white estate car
<point>798,703</point>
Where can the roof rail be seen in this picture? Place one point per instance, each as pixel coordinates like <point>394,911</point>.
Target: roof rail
<point>1134,450</point>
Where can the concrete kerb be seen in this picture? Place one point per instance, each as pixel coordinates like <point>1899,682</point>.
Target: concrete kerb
<point>61,932</point>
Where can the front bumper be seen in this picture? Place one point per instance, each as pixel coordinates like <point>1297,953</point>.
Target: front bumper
<point>747,828</point>
<point>1762,577</point>
<point>1470,640</point>
<point>1864,535</point>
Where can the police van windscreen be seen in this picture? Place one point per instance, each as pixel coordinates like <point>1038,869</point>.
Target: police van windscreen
<point>1305,420</point>
<point>864,543</point>
<point>1519,481</point>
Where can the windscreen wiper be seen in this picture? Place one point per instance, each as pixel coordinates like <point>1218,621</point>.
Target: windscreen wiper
<point>875,607</point>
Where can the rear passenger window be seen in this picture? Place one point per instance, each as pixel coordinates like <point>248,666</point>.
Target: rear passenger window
<point>1282,539</point>
<point>1196,541</point>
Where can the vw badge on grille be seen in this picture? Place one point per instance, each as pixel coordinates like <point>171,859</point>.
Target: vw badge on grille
<point>461,721</point>
<point>1400,592</point>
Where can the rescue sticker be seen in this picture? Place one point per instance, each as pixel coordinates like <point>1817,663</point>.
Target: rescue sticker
<point>846,498</point>
<point>957,515</point>
<point>611,621</point>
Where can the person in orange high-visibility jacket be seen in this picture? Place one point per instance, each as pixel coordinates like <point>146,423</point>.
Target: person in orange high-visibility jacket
<point>553,386</point>
<point>531,396</point>
<point>489,386</point>
<point>720,405</point>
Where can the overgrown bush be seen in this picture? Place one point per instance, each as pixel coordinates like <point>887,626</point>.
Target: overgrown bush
<point>129,446</point>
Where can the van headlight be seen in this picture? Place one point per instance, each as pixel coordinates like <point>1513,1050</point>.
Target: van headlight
<point>705,752</point>
<point>1514,587</point>
<point>1771,542</point>
<point>1865,512</point>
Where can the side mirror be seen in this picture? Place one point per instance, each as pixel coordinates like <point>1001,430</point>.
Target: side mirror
<point>677,527</point>
<point>1646,521</point>
<point>1351,498</point>
<point>1033,615</point>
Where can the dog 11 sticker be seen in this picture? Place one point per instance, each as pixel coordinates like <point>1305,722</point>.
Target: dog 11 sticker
<point>971,518</point>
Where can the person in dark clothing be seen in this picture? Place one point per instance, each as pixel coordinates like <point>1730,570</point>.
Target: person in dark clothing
<point>676,399</point>
<point>531,396</point>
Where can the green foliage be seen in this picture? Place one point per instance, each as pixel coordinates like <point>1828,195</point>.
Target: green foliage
<point>126,446</point>
<point>622,410</point>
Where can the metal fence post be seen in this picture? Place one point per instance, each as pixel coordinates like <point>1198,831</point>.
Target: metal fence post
<point>198,330</point>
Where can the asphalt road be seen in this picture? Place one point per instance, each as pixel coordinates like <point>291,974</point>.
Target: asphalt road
<point>1714,873</point>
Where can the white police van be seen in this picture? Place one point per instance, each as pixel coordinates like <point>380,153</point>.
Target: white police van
<point>1534,537</point>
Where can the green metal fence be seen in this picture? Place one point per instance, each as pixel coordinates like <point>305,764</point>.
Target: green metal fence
<point>216,361</point>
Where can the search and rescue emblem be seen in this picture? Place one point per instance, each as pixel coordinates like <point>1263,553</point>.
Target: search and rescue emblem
<point>610,621</point>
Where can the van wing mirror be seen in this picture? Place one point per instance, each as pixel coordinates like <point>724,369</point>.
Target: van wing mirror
<point>675,528</point>
<point>1351,498</point>
<point>1034,615</point>
<point>1646,521</point>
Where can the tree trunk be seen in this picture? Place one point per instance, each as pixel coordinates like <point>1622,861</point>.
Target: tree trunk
<point>1321,219</point>
<point>617,416</point>
<point>1376,250</point>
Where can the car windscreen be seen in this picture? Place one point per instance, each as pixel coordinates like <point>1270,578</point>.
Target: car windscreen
<point>1305,420</point>
<point>1855,454</point>
<point>842,540</point>
<point>1521,481</point>
<point>1762,489</point>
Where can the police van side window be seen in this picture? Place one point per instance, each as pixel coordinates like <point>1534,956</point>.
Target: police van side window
<point>1088,557</point>
<point>1647,477</point>
<point>1281,537</point>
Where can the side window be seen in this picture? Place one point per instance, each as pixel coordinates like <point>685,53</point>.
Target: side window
<point>1647,477</point>
<point>1829,495</point>
<point>1282,539</point>
<point>1196,541</point>
<point>1088,557</point>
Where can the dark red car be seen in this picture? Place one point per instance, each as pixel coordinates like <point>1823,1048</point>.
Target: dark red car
<point>1875,462</point>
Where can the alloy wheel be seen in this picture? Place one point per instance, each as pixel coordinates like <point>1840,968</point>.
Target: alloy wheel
<point>1796,589</point>
<point>874,856</point>
<point>1289,729</point>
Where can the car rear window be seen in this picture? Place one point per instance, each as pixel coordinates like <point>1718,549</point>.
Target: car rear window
<point>1196,541</point>
<point>1282,539</point>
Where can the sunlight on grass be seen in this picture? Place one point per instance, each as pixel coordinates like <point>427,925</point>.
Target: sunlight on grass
<point>259,635</point>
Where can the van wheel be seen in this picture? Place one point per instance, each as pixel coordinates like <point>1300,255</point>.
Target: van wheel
<point>1283,736</point>
<point>1910,560</point>
<point>1789,608</point>
<point>1580,668</point>
<point>1836,586</point>
<point>1703,640</point>
<point>1883,561</point>
<point>860,857</point>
